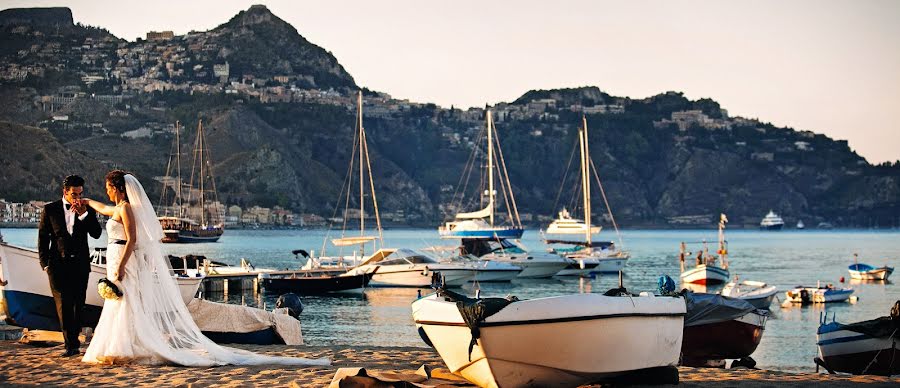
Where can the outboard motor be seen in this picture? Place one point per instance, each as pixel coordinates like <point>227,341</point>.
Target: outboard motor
<point>292,302</point>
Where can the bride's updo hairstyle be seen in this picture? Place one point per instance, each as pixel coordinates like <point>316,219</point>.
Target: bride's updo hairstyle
<point>116,178</point>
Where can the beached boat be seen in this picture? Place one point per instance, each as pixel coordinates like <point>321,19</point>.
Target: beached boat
<point>535,265</point>
<point>234,324</point>
<point>709,269</point>
<point>771,222</point>
<point>481,223</point>
<point>718,328</point>
<point>192,216</point>
<point>818,294</point>
<point>868,347</point>
<point>759,294</point>
<point>867,272</point>
<point>28,297</point>
<point>561,341</point>
<point>588,256</point>
<point>409,268</point>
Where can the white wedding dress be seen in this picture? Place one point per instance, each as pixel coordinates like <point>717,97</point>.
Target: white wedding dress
<point>150,324</point>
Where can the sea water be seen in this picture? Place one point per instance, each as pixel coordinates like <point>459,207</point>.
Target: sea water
<point>381,316</point>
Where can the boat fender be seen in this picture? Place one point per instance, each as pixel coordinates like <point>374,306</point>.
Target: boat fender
<point>292,302</point>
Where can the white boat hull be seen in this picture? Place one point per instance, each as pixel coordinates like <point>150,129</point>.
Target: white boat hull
<point>415,275</point>
<point>705,274</point>
<point>818,295</point>
<point>558,341</point>
<point>534,265</point>
<point>27,293</point>
<point>759,294</point>
<point>875,274</point>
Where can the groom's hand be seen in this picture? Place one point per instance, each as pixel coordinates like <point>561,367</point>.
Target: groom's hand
<point>80,206</point>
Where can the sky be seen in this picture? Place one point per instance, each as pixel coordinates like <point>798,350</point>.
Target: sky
<point>827,66</point>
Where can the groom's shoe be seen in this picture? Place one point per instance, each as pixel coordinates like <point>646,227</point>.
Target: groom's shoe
<point>71,352</point>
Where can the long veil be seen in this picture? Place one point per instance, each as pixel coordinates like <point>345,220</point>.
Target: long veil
<point>162,321</point>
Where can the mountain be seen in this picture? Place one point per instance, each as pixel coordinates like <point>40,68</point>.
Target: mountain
<point>50,17</point>
<point>279,113</point>
<point>259,43</point>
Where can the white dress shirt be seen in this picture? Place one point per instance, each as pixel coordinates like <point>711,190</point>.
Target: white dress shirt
<point>70,216</point>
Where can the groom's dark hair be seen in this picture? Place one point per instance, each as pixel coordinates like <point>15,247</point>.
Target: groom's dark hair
<point>73,181</point>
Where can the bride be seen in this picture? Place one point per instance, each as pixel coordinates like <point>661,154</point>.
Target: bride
<point>150,323</point>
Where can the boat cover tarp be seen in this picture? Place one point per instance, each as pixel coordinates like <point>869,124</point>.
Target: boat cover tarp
<point>881,327</point>
<point>474,311</point>
<point>705,308</point>
<point>229,318</point>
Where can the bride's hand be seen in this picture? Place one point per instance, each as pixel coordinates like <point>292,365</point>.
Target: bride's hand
<point>120,274</point>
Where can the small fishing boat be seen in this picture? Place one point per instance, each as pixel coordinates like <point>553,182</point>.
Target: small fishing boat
<point>819,294</point>
<point>27,291</point>
<point>718,327</point>
<point>561,341</point>
<point>709,269</point>
<point>759,294</point>
<point>868,347</point>
<point>867,272</point>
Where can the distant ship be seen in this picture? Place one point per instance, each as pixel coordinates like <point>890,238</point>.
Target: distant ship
<point>800,225</point>
<point>771,222</point>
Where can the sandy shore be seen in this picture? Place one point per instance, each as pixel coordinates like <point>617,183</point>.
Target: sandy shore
<point>28,365</point>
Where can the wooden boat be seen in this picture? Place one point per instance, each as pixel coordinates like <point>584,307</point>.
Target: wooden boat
<point>718,328</point>
<point>709,270</point>
<point>867,272</point>
<point>27,290</point>
<point>588,256</point>
<point>759,294</point>
<point>191,217</point>
<point>561,341</point>
<point>818,294</point>
<point>868,347</point>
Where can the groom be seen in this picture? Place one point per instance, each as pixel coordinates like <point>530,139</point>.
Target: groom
<point>65,256</point>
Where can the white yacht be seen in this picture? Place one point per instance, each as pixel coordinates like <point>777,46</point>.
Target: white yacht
<point>408,268</point>
<point>534,264</point>
<point>771,222</point>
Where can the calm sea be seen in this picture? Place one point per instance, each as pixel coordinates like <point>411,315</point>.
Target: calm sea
<point>381,316</point>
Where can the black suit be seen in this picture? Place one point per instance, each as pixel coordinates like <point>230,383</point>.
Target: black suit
<point>68,262</point>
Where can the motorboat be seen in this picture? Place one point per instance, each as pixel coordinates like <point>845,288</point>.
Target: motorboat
<point>408,268</point>
<point>771,222</point>
<point>484,271</point>
<point>565,224</point>
<point>759,294</point>
<point>560,341</point>
<point>867,272</point>
<point>818,294</point>
<point>717,327</point>
<point>27,292</point>
<point>800,225</point>
<point>311,282</point>
<point>534,265</point>
<point>709,269</point>
<point>867,347</point>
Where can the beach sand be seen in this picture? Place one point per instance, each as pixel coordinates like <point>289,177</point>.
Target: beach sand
<point>29,365</point>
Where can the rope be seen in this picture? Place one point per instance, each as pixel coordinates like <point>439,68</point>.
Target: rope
<point>894,343</point>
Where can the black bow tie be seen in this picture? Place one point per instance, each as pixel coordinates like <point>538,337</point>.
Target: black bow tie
<point>68,206</point>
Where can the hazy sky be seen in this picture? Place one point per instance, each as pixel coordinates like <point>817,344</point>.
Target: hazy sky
<point>831,67</point>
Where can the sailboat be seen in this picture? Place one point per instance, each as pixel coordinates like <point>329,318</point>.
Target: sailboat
<point>473,224</point>
<point>481,236</point>
<point>588,255</point>
<point>391,267</point>
<point>710,270</point>
<point>191,218</point>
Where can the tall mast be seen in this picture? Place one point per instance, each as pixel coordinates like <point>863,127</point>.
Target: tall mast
<point>362,217</point>
<point>490,156</point>
<point>179,207</point>
<point>585,183</point>
<point>201,145</point>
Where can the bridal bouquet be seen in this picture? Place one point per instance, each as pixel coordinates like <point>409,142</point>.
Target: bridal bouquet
<point>108,290</point>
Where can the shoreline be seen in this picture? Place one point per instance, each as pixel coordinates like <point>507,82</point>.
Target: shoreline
<point>28,365</point>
